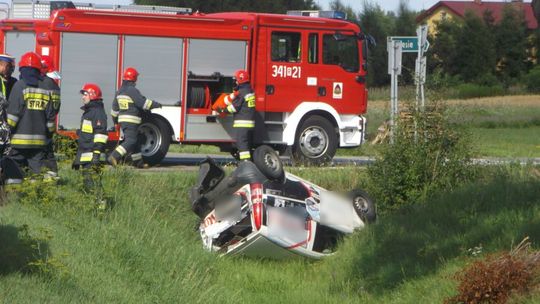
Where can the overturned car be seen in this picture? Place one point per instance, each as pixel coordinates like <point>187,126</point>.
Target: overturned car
<point>260,210</point>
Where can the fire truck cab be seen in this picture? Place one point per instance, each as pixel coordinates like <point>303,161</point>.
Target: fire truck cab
<point>308,72</point>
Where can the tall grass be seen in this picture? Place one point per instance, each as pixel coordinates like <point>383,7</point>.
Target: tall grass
<point>146,248</point>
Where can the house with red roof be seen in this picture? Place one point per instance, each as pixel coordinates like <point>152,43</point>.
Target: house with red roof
<point>456,10</point>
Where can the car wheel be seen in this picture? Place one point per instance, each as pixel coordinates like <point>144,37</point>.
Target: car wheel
<point>316,141</point>
<point>268,162</point>
<point>155,138</point>
<point>363,206</point>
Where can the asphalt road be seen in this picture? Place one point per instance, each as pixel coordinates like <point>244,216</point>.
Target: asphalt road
<point>176,161</point>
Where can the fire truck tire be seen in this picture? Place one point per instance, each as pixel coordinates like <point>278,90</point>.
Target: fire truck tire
<point>268,162</point>
<point>155,136</point>
<point>316,141</point>
<point>363,206</point>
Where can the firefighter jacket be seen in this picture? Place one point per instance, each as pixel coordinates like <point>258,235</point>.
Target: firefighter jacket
<point>243,107</point>
<point>51,85</point>
<point>93,130</point>
<point>7,85</point>
<point>30,115</point>
<point>129,104</point>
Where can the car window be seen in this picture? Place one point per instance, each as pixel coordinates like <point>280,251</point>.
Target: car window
<point>342,51</point>
<point>286,46</point>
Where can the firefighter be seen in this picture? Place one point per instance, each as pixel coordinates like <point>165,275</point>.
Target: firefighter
<point>50,78</point>
<point>92,135</point>
<point>127,110</point>
<point>7,65</point>
<point>241,103</point>
<point>30,114</point>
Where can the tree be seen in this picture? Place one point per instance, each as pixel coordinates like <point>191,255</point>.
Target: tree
<point>405,25</point>
<point>374,21</point>
<point>442,54</point>
<point>475,49</point>
<point>511,46</point>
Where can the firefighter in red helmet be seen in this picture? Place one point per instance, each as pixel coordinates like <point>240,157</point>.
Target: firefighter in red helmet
<point>127,110</point>
<point>241,103</point>
<point>92,134</point>
<point>50,78</point>
<point>31,115</point>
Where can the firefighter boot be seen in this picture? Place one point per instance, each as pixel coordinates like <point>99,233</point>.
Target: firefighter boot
<point>112,159</point>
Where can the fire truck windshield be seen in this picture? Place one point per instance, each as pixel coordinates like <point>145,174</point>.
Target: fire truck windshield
<point>341,50</point>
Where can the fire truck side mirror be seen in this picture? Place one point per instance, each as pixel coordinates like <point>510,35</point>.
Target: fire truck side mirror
<point>339,36</point>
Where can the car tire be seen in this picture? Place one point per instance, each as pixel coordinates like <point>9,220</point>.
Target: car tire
<point>268,162</point>
<point>316,142</point>
<point>363,206</point>
<point>155,136</point>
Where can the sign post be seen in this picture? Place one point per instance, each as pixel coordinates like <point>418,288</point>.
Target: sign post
<point>396,45</point>
<point>395,49</point>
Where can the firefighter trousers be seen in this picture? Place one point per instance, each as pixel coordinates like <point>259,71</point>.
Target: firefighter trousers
<point>244,142</point>
<point>28,158</point>
<point>131,145</point>
<point>50,161</point>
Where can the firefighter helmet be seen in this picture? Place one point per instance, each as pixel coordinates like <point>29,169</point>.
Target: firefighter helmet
<point>7,58</point>
<point>31,60</point>
<point>46,65</point>
<point>130,74</point>
<point>241,76</point>
<point>93,91</point>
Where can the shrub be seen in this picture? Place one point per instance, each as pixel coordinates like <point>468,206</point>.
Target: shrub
<point>471,90</point>
<point>65,145</point>
<point>436,157</point>
<point>532,80</point>
<point>496,278</point>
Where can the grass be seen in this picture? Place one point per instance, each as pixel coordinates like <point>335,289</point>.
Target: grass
<point>504,126</point>
<point>146,249</point>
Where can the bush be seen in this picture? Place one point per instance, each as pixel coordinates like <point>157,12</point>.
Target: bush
<point>532,80</point>
<point>417,165</point>
<point>496,278</point>
<point>471,90</point>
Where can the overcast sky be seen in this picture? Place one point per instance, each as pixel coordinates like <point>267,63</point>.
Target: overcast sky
<point>388,5</point>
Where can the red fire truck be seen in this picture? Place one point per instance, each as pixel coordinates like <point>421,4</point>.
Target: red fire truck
<point>308,72</point>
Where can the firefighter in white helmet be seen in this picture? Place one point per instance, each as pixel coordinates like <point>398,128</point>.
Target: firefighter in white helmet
<point>241,103</point>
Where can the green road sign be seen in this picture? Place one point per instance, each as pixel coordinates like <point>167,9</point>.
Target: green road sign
<point>409,44</point>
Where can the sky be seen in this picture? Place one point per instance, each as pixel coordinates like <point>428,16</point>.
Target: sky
<point>388,5</point>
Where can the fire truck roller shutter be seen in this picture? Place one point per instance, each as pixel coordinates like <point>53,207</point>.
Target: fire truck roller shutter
<point>159,62</point>
<point>86,58</point>
<point>207,57</point>
<point>18,43</point>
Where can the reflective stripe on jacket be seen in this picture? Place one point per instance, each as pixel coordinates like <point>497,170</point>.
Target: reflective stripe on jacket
<point>93,131</point>
<point>30,115</point>
<point>243,107</point>
<point>129,104</point>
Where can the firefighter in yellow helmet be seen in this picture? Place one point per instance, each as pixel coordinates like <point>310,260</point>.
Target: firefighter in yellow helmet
<point>241,103</point>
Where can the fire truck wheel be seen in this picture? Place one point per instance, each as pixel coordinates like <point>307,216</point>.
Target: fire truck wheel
<point>316,141</point>
<point>268,162</point>
<point>155,139</point>
<point>363,206</point>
